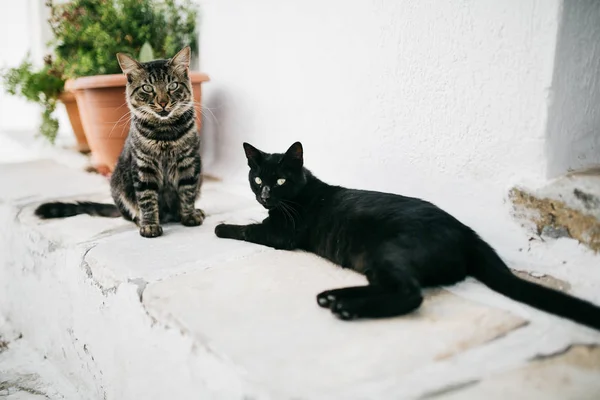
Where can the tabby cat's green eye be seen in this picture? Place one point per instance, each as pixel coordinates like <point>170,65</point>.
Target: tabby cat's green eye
<point>173,86</point>
<point>147,88</point>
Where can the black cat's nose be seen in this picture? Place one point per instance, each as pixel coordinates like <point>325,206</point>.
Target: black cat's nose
<point>265,193</point>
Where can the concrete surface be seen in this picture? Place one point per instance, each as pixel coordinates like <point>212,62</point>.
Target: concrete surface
<point>26,374</point>
<point>569,375</point>
<point>190,316</point>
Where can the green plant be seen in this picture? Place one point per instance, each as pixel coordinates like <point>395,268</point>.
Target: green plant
<point>42,86</point>
<point>90,32</point>
<point>87,36</point>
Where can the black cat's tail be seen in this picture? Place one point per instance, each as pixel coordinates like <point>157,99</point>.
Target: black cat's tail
<point>61,210</point>
<point>487,267</point>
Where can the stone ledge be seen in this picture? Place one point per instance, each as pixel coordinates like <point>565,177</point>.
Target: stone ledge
<point>192,316</point>
<point>570,374</point>
<point>567,207</point>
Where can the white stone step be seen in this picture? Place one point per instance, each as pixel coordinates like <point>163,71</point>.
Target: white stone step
<point>191,316</point>
<point>27,375</point>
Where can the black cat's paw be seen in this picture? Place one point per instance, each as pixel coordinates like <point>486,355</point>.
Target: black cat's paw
<point>151,231</point>
<point>194,219</point>
<point>227,231</point>
<point>343,310</point>
<point>325,299</point>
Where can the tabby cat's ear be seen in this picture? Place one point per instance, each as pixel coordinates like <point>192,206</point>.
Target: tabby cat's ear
<point>128,64</point>
<point>254,155</point>
<point>294,156</point>
<point>181,60</point>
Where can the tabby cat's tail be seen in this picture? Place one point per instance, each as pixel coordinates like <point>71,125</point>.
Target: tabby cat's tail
<point>487,267</point>
<point>61,210</point>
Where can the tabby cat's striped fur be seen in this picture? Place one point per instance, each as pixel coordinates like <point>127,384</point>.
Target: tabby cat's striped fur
<point>157,178</point>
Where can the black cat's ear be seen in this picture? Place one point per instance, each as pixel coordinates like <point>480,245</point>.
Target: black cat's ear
<point>254,155</point>
<point>294,156</point>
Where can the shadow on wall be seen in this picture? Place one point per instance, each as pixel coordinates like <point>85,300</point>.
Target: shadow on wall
<point>214,115</point>
<point>573,129</point>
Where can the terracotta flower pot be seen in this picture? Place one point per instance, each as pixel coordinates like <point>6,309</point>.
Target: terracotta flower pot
<point>68,99</point>
<point>105,115</point>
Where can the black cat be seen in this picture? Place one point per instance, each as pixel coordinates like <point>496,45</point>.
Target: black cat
<point>400,243</point>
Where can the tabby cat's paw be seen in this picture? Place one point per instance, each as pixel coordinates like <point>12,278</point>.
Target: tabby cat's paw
<point>194,219</point>
<point>151,231</point>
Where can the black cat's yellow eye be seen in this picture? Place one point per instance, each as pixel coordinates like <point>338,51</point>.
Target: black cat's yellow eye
<point>258,180</point>
<point>280,181</point>
<point>173,86</point>
<point>147,88</point>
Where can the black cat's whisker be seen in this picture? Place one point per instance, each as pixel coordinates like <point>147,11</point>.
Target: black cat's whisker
<point>293,204</point>
<point>295,214</point>
<point>287,213</point>
<point>291,209</point>
<point>280,207</point>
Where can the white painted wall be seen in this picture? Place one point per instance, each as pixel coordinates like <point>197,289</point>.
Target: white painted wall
<point>23,29</point>
<point>574,120</point>
<point>441,99</point>
<point>16,39</point>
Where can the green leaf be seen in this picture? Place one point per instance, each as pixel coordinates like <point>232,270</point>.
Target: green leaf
<point>146,53</point>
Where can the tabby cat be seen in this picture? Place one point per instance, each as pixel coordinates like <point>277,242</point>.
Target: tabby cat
<point>401,244</point>
<point>157,178</point>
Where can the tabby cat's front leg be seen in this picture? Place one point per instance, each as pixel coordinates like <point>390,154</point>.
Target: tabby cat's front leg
<point>264,234</point>
<point>188,188</point>
<point>146,192</point>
